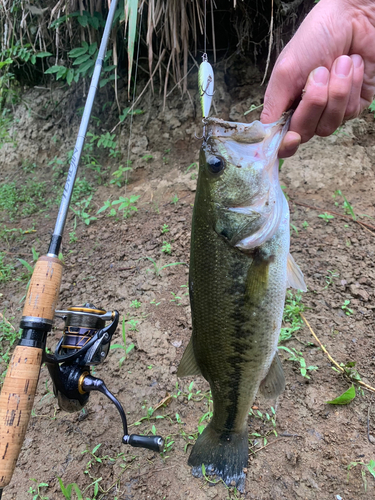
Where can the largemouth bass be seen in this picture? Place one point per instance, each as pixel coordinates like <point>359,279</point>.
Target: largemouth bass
<point>240,267</point>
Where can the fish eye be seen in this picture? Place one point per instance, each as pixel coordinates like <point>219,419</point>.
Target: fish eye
<point>215,164</point>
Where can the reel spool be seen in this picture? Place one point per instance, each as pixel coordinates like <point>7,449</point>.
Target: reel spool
<point>85,343</point>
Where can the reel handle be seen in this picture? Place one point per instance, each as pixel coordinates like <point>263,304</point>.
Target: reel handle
<point>18,392</point>
<point>154,443</point>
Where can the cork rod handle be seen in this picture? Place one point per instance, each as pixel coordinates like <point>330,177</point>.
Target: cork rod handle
<point>18,392</point>
<point>16,402</point>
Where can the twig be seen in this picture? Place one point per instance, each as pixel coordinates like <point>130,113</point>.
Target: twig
<point>368,423</point>
<point>6,321</point>
<point>340,368</point>
<point>363,224</point>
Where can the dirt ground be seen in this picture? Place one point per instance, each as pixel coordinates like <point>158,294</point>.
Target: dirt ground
<point>109,264</point>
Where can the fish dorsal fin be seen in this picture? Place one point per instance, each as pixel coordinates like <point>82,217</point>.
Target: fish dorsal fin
<point>188,364</point>
<point>294,275</point>
<point>274,383</point>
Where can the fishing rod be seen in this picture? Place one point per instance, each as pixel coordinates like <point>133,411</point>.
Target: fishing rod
<point>86,339</point>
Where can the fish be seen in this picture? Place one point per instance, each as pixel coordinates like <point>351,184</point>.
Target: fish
<point>240,267</point>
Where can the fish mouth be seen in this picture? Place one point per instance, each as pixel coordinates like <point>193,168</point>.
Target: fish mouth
<point>246,133</point>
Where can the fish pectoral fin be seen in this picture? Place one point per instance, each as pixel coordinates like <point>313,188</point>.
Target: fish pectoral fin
<point>188,364</point>
<point>294,275</point>
<point>274,383</point>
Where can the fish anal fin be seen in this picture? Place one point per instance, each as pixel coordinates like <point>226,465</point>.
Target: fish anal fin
<point>188,364</point>
<point>294,275</point>
<point>274,383</point>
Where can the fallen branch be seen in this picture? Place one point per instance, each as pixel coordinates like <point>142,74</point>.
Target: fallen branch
<point>363,224</point>
<point>340,368</point>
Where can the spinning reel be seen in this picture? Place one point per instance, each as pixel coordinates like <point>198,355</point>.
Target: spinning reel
<point>85,343</point>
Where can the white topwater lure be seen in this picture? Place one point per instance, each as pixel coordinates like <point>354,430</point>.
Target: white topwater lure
<point>205,85</point>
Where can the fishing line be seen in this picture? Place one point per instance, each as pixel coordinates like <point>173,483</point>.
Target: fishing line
<point>204,57</point>
<point>133,99</point>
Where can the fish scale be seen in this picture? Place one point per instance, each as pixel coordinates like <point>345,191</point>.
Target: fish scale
<point>237,284</point>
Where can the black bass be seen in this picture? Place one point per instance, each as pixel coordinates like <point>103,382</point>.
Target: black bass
<point>240,267</point>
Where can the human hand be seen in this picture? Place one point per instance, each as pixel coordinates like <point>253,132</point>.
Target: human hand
<point>331,61</point>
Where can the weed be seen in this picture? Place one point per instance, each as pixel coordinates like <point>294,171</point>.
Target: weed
<point>326,217</point>
<point>346,309</point>
<point>83,210</point>
<point>5,269</point>
<point>123,346</point>
<point>370,467</point>
<point>298,358</point>
<point>158,267</point>
<point>136,304</point>
<point>128,111</point>
<point>292,309</point>
<point>120,175</point>
<point>8,336</point>
<point>7,234</point>
<point>294,228</point>
<point>165,229</point>
<point>147,157</point>
<point>132,324</point>
<point>176,299</point>
<point>29,268</point>
<point>166,248</point>
<point>126,205</point>
<point>106,141</point>
<point>330,277</point>
<point>36,490</point>
<point>305,224</point>
<point>191,166</point>
<point>22,200</point>
<point>174,200</point>
<point>265,419</point>
<point>346,205</point>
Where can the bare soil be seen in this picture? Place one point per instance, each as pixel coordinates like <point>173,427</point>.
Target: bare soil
<point>108,265</point>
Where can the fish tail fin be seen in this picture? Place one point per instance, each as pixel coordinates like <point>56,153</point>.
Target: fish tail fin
<point>224,454</point>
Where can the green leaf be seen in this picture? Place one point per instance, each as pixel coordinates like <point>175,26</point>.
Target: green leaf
<point>94,22</point>
<point>345,398</point>
<point>86,66</point>
<point>44,54</point>
<point>371,467</point>
<point>53,69</point>
<point>81,59</point>
<point>203,469</point>
<point>79,51</point>
<point>69,76</point>
<point>93,47</point>
<point>82,20</point>
<point>131,24</point>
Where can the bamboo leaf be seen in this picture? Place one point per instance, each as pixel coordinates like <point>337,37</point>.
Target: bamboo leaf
<point>345,398</point>
<point>131,24</point>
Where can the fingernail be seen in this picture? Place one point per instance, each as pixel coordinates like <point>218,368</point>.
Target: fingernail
<point>343,65</point>
<point>320,75</point>
<point>357,60</point>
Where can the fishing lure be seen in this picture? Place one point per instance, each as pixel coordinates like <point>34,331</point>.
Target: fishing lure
<point>205,85</point>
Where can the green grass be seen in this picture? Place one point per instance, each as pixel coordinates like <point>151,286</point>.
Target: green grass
<point>5,269</point>
<point>22,200</point>
<point>8,336</point>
